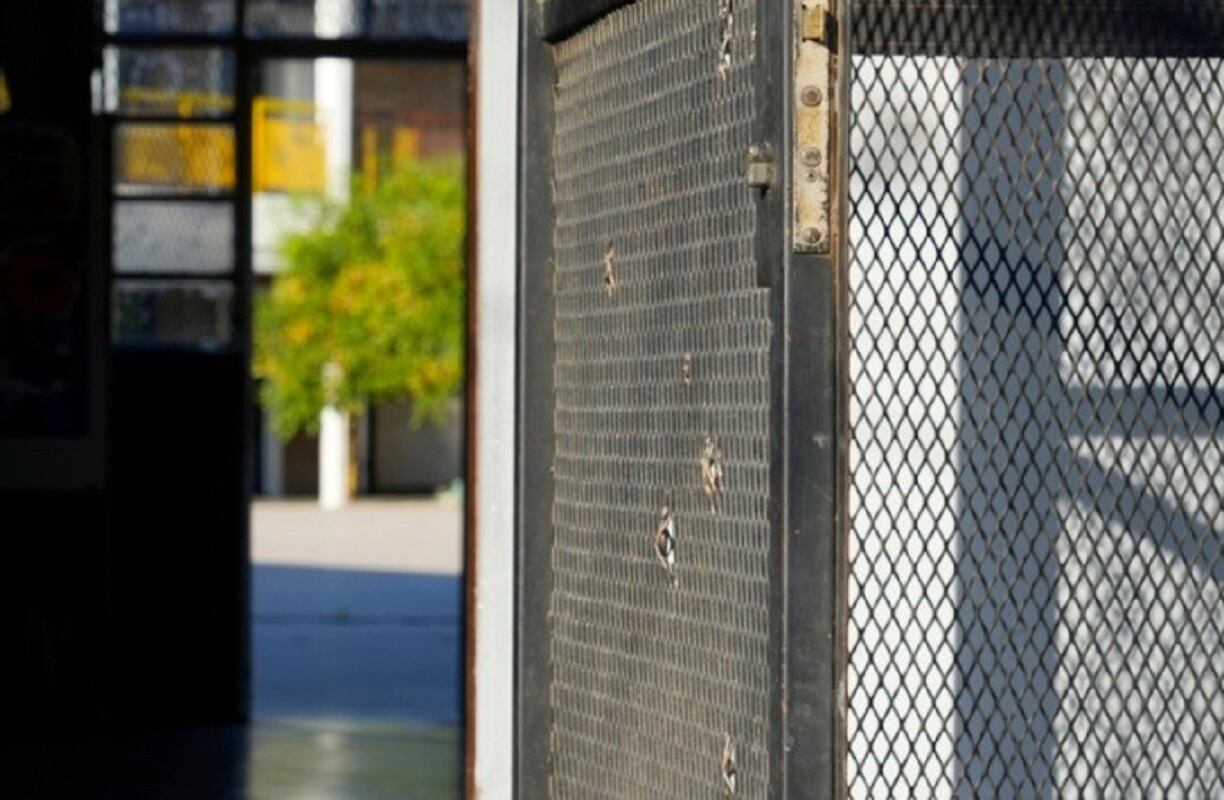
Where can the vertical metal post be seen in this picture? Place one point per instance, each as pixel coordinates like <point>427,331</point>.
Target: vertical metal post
<point>244,89</point>
<point>333,97</point>
<point>839,198</point>
<point>535,408</point>
<point>810,439</point>
<point>773,59</point>
<point>491,438</point>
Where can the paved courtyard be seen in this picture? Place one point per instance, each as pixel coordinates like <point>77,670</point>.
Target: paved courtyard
<point>356,640</point>
<point>411,535</point>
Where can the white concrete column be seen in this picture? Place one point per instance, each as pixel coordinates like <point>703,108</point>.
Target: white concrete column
<point>333,92</point>
<point>333,96</point>
<point>110,59</point>
<point>334,113</point>
<point>333,446</point>
<point>110,16</point>
<point>333,458</point>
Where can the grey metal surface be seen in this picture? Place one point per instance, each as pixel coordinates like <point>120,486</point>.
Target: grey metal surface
<point>662,359</point>
<point>1037,343</point>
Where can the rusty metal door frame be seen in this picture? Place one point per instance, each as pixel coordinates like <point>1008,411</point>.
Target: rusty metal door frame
<point>808,477</point>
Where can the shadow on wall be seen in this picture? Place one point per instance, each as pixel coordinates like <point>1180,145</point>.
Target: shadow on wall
<point>1036,426</point>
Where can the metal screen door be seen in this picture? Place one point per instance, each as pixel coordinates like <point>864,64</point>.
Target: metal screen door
<point>654,645</point>
<point>1036,340</point>
<point>871,430</point>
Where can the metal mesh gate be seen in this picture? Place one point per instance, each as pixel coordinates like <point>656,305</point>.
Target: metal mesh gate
<point>1036,336</point>
<point>660,555</point>
<point>1019,335</point>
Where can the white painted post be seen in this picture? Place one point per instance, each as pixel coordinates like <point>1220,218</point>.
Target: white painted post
<point>334,113</point>
<point>333,448</point>
<point>333,458</point>
<point>333,94</point>
<point>491,570</point>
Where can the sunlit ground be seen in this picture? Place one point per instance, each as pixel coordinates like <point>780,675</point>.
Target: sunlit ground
<point>269,760</point>
<point>322,759</point>
<point>356,643</point>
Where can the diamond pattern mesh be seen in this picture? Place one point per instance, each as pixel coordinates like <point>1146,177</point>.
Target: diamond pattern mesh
<point>1036,336</point>
<point>662,399</point>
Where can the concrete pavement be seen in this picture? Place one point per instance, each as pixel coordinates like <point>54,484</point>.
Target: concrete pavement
<point>357,645</point>
<point>413,535</point>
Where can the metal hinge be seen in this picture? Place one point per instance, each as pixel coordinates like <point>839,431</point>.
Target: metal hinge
<point>812,132</point>
<point>816,25</point>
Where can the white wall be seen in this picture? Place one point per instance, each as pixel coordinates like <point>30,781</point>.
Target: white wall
<point>903,546</point>
<point>1035,575</point>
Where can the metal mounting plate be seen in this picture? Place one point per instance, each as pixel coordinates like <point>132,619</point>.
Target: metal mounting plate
<point>812,94</point>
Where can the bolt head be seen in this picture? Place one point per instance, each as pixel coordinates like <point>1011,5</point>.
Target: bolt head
<point>812,235</point>
<point>811,96</point>
<point>811,156</point>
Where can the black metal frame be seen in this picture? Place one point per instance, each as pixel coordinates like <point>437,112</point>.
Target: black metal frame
<point>534,434</point>
<point>561,18</point>
<point>810,305</point>
<point>998,28</point>
<point>808,481</point>
<point>248,52</point>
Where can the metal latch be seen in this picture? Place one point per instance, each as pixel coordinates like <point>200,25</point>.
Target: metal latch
<point>760,166</point>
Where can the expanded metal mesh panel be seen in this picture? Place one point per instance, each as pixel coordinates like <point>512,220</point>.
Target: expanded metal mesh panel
<point>662,361</point>
<point>1037,335</point>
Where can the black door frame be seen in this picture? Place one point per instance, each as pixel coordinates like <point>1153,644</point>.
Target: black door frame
<point>248,52</point>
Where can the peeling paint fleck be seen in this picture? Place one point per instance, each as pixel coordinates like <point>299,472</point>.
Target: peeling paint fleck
<point>609,271</point>
<point>728,38</point>
<point>728,763</point>
<point>712,471</point>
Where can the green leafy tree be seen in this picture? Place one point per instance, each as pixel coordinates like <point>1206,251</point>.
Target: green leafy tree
<point>375,288</point>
